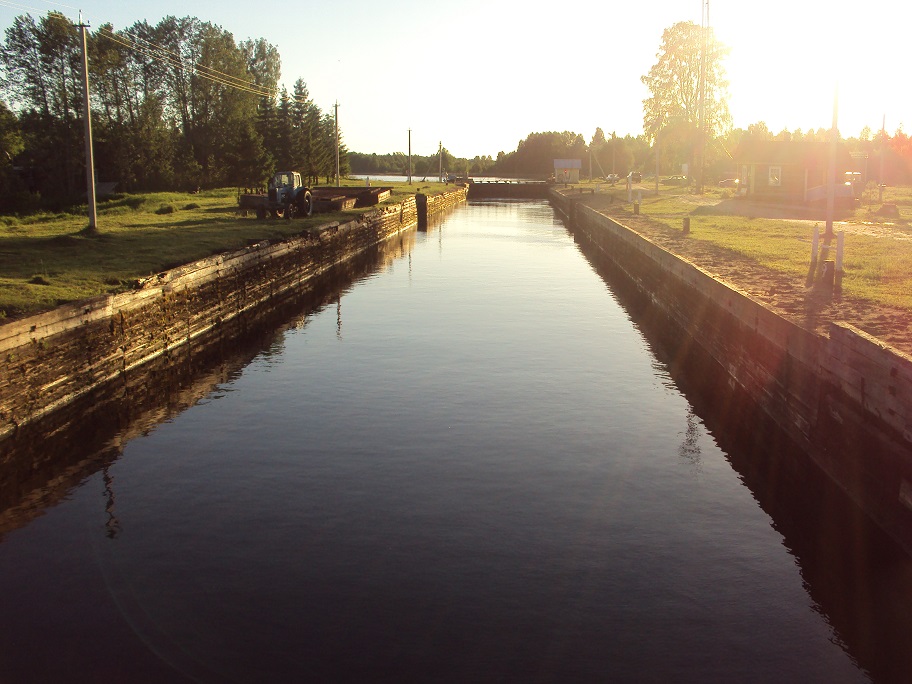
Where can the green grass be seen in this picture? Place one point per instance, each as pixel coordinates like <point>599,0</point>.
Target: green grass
<point>45,260</point>
<point>876,268</point>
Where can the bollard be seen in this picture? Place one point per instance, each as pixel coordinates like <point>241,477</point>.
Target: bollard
<point>686,225</point>
<point>636,208</point>
<point>421,207</point>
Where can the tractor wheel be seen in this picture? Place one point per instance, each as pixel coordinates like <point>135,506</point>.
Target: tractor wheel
<point>291,210</point>
<point>305,204</point>
<point>261,213</point>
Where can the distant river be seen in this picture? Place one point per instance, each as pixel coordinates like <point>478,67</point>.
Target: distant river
<point>474,467</point>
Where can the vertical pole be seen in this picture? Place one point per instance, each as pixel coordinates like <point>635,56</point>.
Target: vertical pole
<point>701,143</point>
<point>338,176</point>
<point>590,164</point>
<point>883,153</point>
<point>657,163</point>
<point>831,172</point>
<point>613,154</point>
<point>87,109</point>
<point>440,162</point>
<point>840,248</point>
<point>815,245</point>
<point>410,158</point>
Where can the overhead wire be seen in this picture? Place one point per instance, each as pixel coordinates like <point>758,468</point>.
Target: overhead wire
<point>162,55</point>
<point>171,59</point>
<point>175,59</point>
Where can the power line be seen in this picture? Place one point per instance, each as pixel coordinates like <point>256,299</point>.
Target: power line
<point>170,58</point>
<point>174,59</point>
<point>164,56</point>
<point>27,8</point>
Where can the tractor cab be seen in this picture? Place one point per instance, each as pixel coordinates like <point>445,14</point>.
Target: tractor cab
<point>283,185</point>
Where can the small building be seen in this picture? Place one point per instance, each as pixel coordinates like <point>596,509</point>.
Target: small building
<point>787,171</point>
<point>567,170</point>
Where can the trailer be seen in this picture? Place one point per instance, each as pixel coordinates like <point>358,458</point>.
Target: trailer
<point>286,197</point>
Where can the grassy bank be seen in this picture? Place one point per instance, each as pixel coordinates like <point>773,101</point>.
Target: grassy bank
<point>45,261</point>
<point>878,250</point>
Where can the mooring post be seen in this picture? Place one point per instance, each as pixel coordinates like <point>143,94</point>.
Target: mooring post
<point>421,206</point>
<point>815,245</point>
<point>840,250</point>
<point>840,247</point>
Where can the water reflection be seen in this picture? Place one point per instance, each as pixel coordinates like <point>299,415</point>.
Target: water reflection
<point>43,462</point>
<point>859,579</point>
<point>478,484</point>
<point>112,525</point>
<point>690,446</point>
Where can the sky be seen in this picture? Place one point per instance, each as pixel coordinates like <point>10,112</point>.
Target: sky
<point>480,75</point>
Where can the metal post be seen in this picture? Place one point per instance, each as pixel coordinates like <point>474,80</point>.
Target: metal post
<point>410,158</point>
<point>701,136</point>
<point>657,163</point>
<point>831,172</point>
<point>883,153</point>
<point>440,162</point>
<point>840,250</point>
<point>338,176</point>
<point>613,154</point>
<point>87,113</point>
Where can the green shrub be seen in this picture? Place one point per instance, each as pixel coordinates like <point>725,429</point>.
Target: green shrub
<point>192,205</point>
<point>165,209</point>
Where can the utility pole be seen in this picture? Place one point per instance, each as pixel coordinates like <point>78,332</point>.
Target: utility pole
<point>701,137</point>
<point>87,113</point>
<point>657,162</point>
<point>613,154</point>
<point>338,177</point>
<point>410,158</point>
<point>440,161</point>
<point>883,153</point>
<point>831,172</point>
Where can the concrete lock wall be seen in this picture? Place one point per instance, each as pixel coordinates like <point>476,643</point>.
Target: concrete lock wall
<point>52,359</point>
<point>846,397</point>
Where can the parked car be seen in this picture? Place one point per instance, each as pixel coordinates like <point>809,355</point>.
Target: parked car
<point>635,176</point>
<point>729,183</point>
<point>612,178</point>
<point>675,180</point>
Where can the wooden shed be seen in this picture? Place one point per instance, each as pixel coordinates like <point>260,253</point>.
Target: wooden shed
<point>786,171</point>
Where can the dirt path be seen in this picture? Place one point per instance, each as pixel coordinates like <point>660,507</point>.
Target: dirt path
<point>809,307</point>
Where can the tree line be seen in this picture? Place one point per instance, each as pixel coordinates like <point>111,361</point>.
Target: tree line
<point>686,121</point>
<point>178,105</point>
<point>181,105</point>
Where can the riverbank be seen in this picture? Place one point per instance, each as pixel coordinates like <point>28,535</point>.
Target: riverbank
<point>844,396</point>
<point>52,359</point>
<point>785,289</point>
<point>46,261</point>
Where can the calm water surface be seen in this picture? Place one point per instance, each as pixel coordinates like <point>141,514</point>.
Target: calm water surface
<point>473,468</point>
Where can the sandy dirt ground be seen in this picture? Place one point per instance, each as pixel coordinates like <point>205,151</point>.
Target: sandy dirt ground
<point>811,307</point>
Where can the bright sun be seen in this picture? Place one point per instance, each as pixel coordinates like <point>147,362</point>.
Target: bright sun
<point>787,60</point>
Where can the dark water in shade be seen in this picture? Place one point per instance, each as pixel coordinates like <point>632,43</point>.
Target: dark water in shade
<point>474,468</point>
